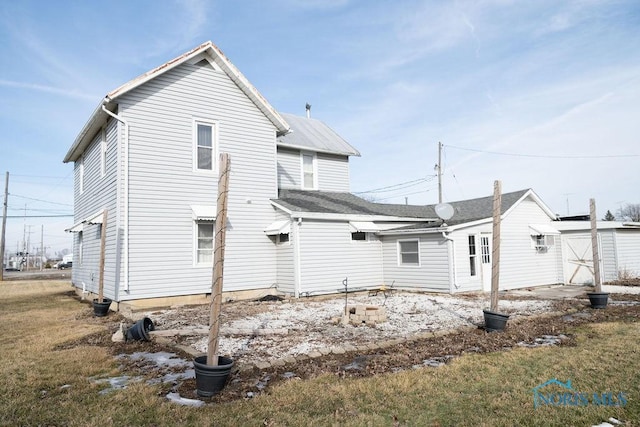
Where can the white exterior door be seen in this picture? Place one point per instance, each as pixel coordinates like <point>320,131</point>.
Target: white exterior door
<point>578,259</point>
<point>485,261</point>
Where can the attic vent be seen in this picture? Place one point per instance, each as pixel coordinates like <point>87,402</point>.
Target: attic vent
<point>203,63</point>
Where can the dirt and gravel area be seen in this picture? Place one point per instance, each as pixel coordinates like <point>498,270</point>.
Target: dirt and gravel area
<point>422,331</point>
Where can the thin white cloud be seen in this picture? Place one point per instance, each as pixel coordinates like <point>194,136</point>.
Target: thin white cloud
<point>49,89</point>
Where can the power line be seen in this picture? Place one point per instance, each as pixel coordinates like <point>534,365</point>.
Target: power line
<point>40,216</point>
<point>542,156</point>
<point>40,200</point>
<point>399,186</point>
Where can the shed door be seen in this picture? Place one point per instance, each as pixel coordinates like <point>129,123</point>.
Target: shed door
<point>485,260</point>
<point>578,259</point>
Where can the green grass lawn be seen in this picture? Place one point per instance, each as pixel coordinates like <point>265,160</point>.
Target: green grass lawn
<point>44,386</point>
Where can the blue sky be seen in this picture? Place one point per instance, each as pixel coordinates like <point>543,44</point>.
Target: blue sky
<point>538,94</point>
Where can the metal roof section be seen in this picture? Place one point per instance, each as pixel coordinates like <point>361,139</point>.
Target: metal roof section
<point>278,227</point>
<point>203,212</point>
<point>314,135</point>
<point>207,51</point>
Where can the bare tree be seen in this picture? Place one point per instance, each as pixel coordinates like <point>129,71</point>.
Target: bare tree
<point>630,212</point>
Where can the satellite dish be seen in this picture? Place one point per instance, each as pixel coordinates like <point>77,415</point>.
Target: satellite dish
<point>444,211</point>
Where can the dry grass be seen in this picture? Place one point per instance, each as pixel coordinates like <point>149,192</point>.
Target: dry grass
<point>484,389</point>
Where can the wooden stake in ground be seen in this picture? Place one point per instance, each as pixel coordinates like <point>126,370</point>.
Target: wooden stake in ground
<point>594,245</point>
<point>495,255</point>
<point>218,259</point>
<point>103,238</point>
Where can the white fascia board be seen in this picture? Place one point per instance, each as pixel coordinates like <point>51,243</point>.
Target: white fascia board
<point>413,231</point>
<point>356,217</point>
<point>471,224</point>
<point>282,208</point>
<point>318,150</point>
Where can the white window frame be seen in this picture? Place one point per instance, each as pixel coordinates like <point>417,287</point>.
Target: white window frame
<point>196,238</point>
<point>103,153</point>
<point>214,145</point>
<point>473,257</point>
<point>399,245</point>
<point>314,163</point>
<point>81,174</point>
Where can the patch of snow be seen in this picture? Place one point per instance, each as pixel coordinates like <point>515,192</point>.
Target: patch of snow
<point>176,398</point>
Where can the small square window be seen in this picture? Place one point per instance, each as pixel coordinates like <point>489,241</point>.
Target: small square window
<point>409,252</point>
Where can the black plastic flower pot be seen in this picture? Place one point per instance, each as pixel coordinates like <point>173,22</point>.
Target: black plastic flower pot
<point>598,299</point>
<point>101,309</point>
<point>210,380</point>
<point>494,322</point>
<point>140,330</point>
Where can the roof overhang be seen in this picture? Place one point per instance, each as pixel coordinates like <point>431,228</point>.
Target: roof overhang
<point>99,117</point>
<point>318,150</point>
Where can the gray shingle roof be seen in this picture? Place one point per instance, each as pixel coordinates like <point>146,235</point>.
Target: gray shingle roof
<point>349,204</point>
<point>314,135</point>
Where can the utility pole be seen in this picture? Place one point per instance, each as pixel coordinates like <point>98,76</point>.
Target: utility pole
<point>4,223</point>
<point>41,247</point>
<point>439,167</point>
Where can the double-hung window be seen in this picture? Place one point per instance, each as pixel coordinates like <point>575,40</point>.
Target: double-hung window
<point>409,252</point>
<point>472,255</point>
<point>204,145</point>
<point>309,174</point>
<point>204,242</point>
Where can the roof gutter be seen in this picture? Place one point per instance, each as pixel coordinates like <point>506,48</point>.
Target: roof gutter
<point>125,165</point>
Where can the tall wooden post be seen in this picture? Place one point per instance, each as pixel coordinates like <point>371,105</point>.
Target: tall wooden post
<point>103,239</point>
<point>495,256</point>
<point>218,260</point>
<point>594,245</point>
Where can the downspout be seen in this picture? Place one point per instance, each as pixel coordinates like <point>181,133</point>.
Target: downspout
<point>126,194</point>
<point>296,258</point>
<point>453,273</point>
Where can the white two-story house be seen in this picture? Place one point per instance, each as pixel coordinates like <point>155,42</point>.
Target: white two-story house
<point>148,155</point>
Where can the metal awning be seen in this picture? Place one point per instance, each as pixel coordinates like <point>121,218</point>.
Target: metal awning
<point>75,228</point>
<point>542,229</point>
<point>203,212</point>
<point>79,226</point>
<point>278,227</point>
<point>363,226</point>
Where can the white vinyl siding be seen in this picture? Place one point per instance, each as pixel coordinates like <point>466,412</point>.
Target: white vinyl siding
<point>163,183</point>
<point>99,192</point>
<point>628,254</point>
<point>327,257</point>
<point>332,171</point>
<point>433,272</point>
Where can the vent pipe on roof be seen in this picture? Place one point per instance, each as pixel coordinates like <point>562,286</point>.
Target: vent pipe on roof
<point>308,108</point>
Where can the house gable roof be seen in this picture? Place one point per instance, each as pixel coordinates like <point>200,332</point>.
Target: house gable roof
<point>314,135</point>
<point>305,203</point>
<point>325,202</point>
<point>207,51</point>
